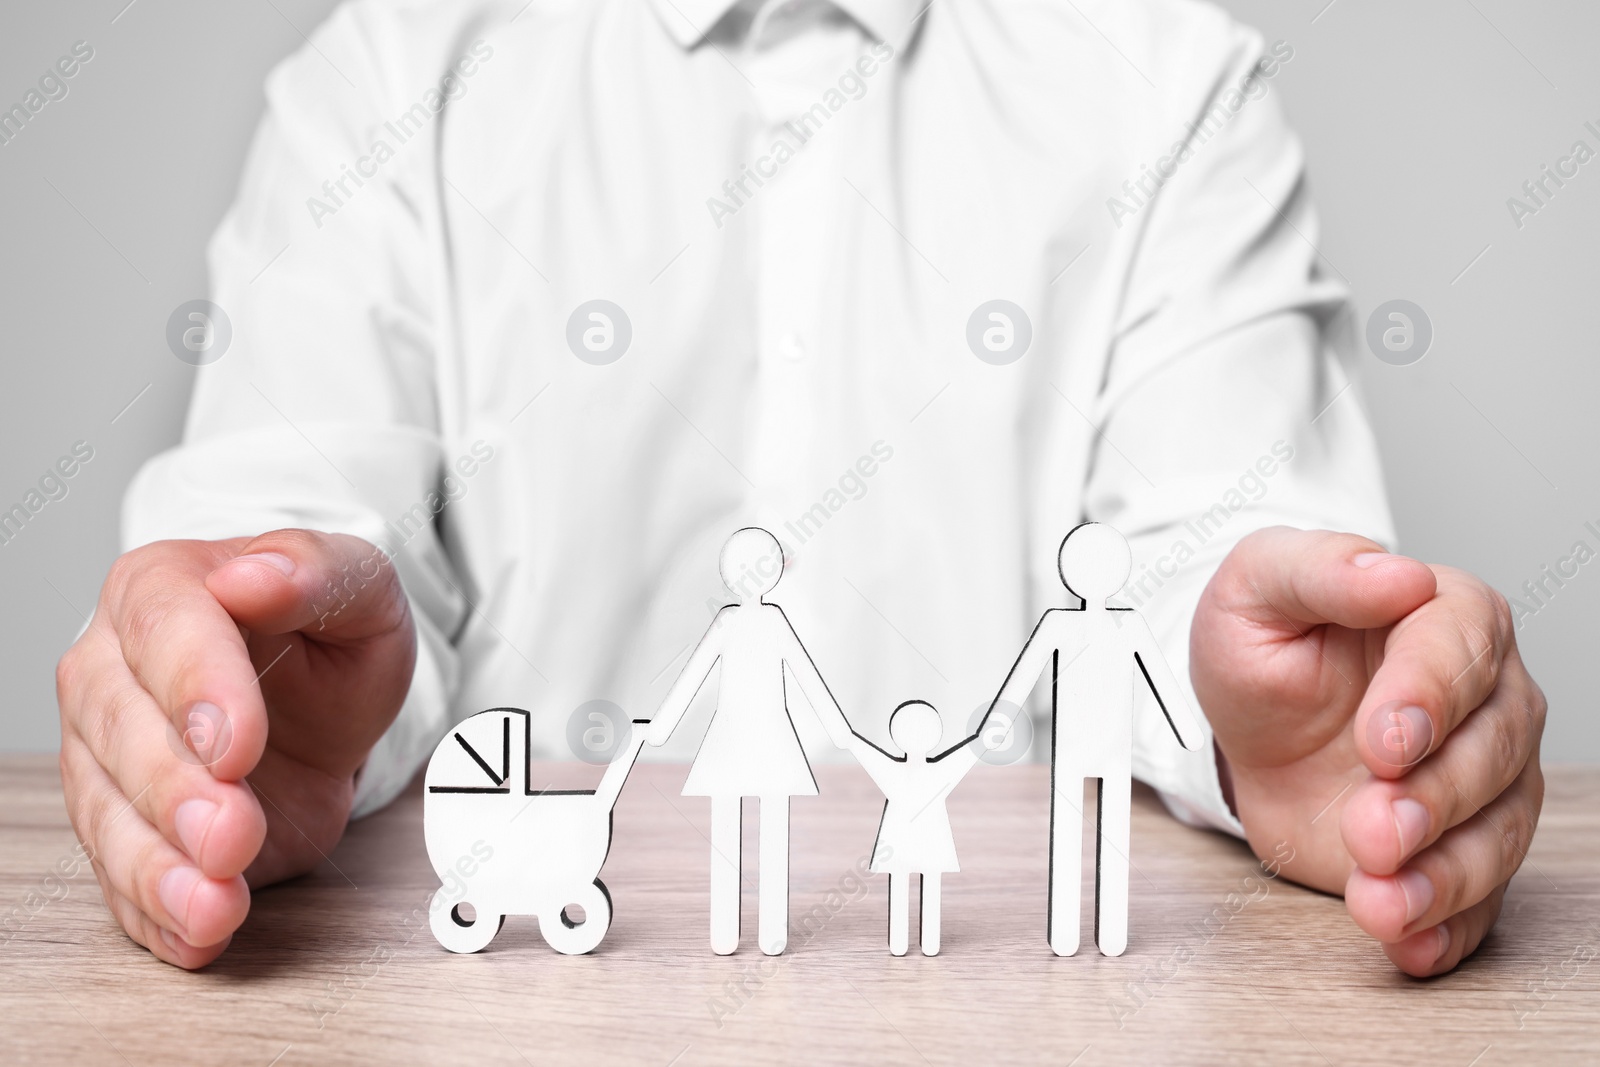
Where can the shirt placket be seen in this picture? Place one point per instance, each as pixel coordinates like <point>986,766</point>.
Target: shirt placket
<point>790,203</point>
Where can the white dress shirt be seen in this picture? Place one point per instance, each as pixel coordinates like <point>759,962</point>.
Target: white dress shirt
<point>799,207</point>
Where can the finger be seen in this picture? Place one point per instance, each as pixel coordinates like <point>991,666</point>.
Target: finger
<point>302,809</point>
<point>218,824</point>
<point>1458,871</point>
<point>313,601</point>
<point>333,587</point>
<point>143,866</point>
<point>1440,948</point>
<point>163,944</point>
<point>1439,663</point>
<point>1385,822</point>
<point>1286,579</point>
<point>188,653</point>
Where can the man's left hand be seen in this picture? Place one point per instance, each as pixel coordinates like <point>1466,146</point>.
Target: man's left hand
<point>1373,711</point>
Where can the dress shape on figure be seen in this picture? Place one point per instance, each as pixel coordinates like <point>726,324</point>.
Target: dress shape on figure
<point>1097,655</point>
<point>914,836</point>
<point>750,748</point>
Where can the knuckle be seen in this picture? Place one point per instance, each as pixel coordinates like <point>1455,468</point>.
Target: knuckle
<point>1514,824</point>
<point>1500,612</point>
<point>1534,790</point>
<point>295,542</point>
<point>130,568</point>
<point>79,795</point>
<point>144,876</point>
<point>368,582</point>
<point>1538,708</point>
<point>1478,644</point>
<point>107,721</point>
<point>142,624</point>
<point>69,673</point>
<point>1255,538</point>
<point>393,605</point>
<point>1508,747</point>
<point>1247,556</point>
<point>87,809</point>
<point>1515,837</point>
<point>1455,880</point>
<point>123,570</point>
<point>1537,788</point>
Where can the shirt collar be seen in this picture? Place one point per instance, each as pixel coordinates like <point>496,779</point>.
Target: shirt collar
<point>689,21</point>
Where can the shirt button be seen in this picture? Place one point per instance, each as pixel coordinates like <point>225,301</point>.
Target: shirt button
<point>792,346</point>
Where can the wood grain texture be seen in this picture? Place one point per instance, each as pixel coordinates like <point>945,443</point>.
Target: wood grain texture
<point>1223,965</point>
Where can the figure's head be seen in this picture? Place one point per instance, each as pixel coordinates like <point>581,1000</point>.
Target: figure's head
<point>751,563</point>
<point>1095,562</point>
<point>916,728</point>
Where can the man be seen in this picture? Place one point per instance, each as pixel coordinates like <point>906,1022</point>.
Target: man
<point>541,301</point>
<point>1091,655</point>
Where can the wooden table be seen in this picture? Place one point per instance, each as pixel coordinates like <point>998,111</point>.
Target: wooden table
<point>1223,965</point>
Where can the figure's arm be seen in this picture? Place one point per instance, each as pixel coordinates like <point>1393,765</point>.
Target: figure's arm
<point>874,760</point>
<point>810,680</point>
<point>956,761</point>
<point>1024,673</point>
<point>993,733</point>
<point>682,694</point>
<point>1166,688</point>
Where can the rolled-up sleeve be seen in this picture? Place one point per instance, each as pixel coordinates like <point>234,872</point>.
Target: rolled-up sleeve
<point>322,411</point>
<point>1227,391</point>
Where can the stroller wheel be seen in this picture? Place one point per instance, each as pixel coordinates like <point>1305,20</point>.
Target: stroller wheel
<point>455,932</point>
<point>574,938</point>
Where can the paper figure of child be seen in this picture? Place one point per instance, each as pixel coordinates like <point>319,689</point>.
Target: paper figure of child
<point>914,835</point>
<point>1097,655</point>
<point>751,748</point>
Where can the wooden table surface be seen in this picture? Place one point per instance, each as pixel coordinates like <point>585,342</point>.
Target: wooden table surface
<point>1223,964</point>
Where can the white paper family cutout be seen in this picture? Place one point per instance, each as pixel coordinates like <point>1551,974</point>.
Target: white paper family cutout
<point>751,748</point>
<point>914,836</point>
<point>503,848</point>
<point>1098,656</point>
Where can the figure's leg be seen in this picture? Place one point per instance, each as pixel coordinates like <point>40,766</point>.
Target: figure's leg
<point>1111,861</point>
<point>1066,861</point>
<point>930,914</point>
<point>726,816</point>
<point>899,917</point>
<point>772,894</point>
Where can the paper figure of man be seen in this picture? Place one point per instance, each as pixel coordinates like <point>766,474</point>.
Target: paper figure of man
<point>1097,656</point>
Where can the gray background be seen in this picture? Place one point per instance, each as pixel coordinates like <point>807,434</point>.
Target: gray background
<point>1420,120</point>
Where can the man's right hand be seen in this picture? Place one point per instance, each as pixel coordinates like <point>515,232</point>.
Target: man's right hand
<point>214,716</point>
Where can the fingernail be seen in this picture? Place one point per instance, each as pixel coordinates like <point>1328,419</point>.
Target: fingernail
<point>272,559</point>
<point>207,731</point>
<point>1444,941</point>
<point>1410,821</point>
<point>1400,734</point>
<point>169,939</point>
<point>1368,560</point>
<point>1418,890</point>
<point>193,820</point>
<point>176,887</point>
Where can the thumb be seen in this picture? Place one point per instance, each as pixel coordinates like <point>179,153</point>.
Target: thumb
<point>333,588</point>
<point>1285,579</point>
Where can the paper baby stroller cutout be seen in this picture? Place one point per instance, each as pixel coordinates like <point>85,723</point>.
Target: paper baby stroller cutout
<point>1098,656</point>
<point>504,848</point>
<point>750,748</point>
